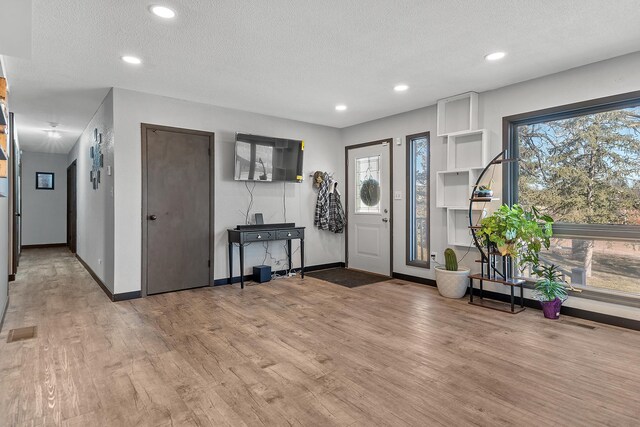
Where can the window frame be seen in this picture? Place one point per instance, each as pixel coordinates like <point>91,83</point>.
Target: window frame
<point>510,175</point>
<point>511,170</point>
<point>410,204</point>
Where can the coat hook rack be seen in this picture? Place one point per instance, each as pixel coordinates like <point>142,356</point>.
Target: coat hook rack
<point>328,173</point>
<point>316,182</point>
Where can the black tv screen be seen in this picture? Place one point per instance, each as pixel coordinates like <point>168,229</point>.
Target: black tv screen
<point>267,159</point>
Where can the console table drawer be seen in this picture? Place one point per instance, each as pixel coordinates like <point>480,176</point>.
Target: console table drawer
<point>258,236</point>
<point>290,234</point>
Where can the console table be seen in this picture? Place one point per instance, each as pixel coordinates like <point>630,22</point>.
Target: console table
<point>263,233</point>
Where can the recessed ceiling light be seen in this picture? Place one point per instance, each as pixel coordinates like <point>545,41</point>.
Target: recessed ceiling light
<point>495,56</point>
<point>131,60</point>
<point>54,134</point>
<point>162,12</point>
<point>400,88</point>
<point>341,107</point>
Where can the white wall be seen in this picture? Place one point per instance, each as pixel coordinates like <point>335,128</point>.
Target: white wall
<point>95,231</point>
<point>611,77</point>
<point>44,212</point>
<point>323,151</point>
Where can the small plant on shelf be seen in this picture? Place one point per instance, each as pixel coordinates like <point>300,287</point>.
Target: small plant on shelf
<point>551,290</point>
<point>517,232</point>
<point>484,191</point>
<point>451,280</point>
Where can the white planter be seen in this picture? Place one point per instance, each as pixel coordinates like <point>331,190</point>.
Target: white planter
<point>452,284</point>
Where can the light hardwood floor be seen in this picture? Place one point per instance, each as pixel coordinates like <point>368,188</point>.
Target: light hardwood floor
<point>300,352</point>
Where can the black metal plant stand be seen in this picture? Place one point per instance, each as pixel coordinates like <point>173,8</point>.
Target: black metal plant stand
<point>492,270</point>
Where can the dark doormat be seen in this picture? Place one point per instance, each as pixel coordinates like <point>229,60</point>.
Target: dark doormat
<point>346,277</point>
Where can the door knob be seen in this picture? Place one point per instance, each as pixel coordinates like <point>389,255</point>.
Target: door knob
<point>385,219</point>
<point>152,217</point>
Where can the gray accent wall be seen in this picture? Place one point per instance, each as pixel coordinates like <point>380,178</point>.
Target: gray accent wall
<point>44,212</point>
<point>323,151</point>
<point>95,207</point>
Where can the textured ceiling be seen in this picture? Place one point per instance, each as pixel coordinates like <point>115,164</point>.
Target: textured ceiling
<point>299,58</point>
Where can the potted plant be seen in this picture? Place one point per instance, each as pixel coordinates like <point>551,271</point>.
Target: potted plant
<point>452,281</point>
<point>484,191</point>
<point>550,290</point>
<point>517,232</point>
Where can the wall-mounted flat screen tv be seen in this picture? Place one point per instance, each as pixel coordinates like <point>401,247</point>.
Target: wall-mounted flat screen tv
<point>267,159</point>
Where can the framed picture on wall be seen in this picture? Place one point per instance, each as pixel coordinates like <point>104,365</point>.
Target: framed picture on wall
<point>44,180</point>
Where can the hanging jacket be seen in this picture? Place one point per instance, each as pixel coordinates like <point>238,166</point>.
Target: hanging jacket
<point>336,213</point>
<point>321,217</point>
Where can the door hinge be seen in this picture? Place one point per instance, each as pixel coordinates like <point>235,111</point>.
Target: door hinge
<point>209,263</point>
<point>209,151</point>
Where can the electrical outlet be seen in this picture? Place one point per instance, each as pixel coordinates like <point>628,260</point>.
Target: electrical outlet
<point>433,256</point>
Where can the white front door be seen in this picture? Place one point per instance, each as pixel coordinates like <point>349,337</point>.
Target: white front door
<point>369,209</point>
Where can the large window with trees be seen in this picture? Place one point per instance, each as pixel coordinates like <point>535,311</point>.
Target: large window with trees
<point>418,200</point>
<point>580,164</point>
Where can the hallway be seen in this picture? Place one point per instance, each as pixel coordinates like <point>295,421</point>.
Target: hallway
<point>301,352</point>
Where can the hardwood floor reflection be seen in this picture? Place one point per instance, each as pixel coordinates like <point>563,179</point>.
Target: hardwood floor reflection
<point>302,352</point>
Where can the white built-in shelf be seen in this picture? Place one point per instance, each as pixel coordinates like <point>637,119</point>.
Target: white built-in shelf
<point>468,149</point>
<point>458,232</point>
<point>457,113</point>
<point>454,188</point>
<point>467,156</point>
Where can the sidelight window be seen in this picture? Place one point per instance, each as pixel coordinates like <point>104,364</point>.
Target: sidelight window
<point>418,181</point>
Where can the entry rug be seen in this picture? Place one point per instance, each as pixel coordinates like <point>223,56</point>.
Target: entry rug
<point>347,277</point>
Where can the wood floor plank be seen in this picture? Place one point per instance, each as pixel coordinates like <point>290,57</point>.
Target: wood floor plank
<point>300,352</point>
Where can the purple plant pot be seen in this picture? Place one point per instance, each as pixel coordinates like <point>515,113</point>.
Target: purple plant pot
<point>551,309</point>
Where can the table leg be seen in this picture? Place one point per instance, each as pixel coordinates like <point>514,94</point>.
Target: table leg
<point>512,305</point>
<point>289,251</point>
<point>230,264</point>
<point>302,258</point>
<point>470,289</point>
<point>521,296</point>
<point>241,266</point>
<point>481,289</point>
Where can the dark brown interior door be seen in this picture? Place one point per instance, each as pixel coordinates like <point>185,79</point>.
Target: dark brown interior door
<point>177,199</point>
<point>71,207</point>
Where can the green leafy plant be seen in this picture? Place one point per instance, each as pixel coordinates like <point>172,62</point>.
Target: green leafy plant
<point>450,260</point>
<point>551,285</point>
<point>517,232</point>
